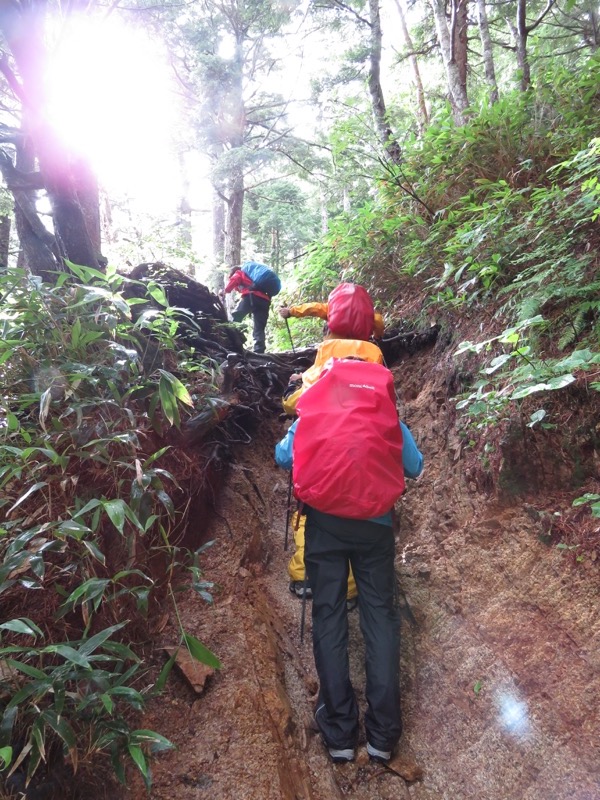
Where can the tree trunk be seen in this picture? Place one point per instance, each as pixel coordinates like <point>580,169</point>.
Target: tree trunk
<point>487,51</point>
<point>346,203</point>
<point>422,113</point>
<point>184,211</point>
<point>456,88</point>
<point>324,211</point>
<point>275,249</point>
<point>236,189</point>
<point>88,196</point>
<point>390,144</point>
<point>24,30</point>
<point>4,242</point>
<point>459,32</point>
<point>521,34</point>
<point>592,28</point>
<point>218,226</point>
<point>37,246</point>
<point>233,228</point>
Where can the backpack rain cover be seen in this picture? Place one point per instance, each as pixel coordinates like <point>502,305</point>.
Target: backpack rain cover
<point>263,277</point>
<point>350,312</point>
<point>348,442</point>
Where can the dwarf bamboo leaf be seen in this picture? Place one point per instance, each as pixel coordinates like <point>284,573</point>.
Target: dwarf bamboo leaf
<point>164,673</point>
<point>87,507</point>
<point>37,751</point>
<point>12,421</point>
<point>61,727</point>
<point>157,742</point>
<point>71,528</point>
<point>157,293</point>
<point>179,390</point>
<point>139,759</point>
<point>155,456</point>
<point>76,332</point>
<point>200,652</point>
<point>91,644</point>
<point>107,703</point>
<point>26,669</point>
<point>68,653</point>
<point>167,502</point>
<point>85,274</point>
<point>168,401</point>
<point>95,551</point>
<point>22,625</point>
<point>28,493</point>
<point>88,590</point>
<point>116,512</point>
<point>5,756</point>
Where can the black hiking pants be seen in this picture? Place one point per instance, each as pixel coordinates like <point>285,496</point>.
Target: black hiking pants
<point>332,542</point>
<point>259,308</point>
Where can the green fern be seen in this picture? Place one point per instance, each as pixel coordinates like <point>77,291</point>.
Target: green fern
<point>586,316</point>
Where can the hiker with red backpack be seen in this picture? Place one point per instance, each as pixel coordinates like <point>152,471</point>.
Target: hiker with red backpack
<point>257,284</point>
<point>350,453</point>
<point>351,312</point>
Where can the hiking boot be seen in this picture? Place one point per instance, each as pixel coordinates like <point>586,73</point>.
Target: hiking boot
<point>383,756</point>
<point>352,603</point>
<point>341,756</point>
<point>299,587</point>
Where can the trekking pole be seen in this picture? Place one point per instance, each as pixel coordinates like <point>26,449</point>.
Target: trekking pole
<point>287,325</point>
<point>288,513</point>
<point>303,614</point>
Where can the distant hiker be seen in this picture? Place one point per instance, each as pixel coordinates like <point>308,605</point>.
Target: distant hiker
<point>257,284</point>
<point>350,453</point>
<point>349,313</point>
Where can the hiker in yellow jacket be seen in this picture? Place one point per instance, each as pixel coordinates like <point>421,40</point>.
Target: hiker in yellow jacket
<point>351,321</point>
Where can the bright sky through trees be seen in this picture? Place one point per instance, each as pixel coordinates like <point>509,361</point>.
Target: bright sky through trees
<point>111,99</point>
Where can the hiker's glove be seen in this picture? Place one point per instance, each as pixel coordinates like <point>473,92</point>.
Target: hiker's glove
<point>284,312</point>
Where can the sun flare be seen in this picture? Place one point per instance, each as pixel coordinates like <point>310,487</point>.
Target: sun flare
<point>110,98</point>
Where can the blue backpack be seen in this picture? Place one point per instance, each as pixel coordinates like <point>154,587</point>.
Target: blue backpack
<point>263,277</point>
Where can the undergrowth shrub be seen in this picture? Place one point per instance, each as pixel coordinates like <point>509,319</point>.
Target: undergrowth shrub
<point>501,213</point>
<point>89,515</point>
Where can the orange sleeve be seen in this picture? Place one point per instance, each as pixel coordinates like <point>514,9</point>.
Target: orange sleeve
<point>309,310</point>
<point>378,326</point>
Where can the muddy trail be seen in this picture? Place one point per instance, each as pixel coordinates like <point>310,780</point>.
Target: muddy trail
<point>500,663</point>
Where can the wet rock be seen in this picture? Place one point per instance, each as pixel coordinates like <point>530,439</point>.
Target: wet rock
<point>406,765</point>
<point>195,673</point>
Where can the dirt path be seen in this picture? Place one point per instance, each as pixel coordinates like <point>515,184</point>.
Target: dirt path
<point>500,663</point>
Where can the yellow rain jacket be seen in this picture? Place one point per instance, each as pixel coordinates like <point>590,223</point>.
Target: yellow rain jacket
<point>296,565</point>
<point>332,348</point>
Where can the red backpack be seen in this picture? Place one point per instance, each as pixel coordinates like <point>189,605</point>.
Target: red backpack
<point>350,312</point>
<point>348,442</point>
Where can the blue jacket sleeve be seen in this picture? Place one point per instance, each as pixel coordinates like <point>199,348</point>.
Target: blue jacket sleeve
<point>412,458</point>
<point>284,448</point>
